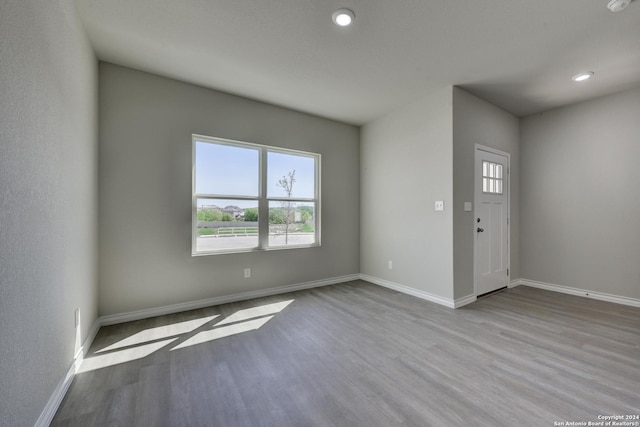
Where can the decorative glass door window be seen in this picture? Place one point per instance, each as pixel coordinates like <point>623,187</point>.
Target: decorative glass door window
<point>492,177</point>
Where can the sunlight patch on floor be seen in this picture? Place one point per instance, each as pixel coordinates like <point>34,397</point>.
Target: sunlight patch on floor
<point>122,356</point>
<point>160,332</point>
<point>253,312</point>
<point>224,331</point>
<point>148,341</point>
<point>248,319</point>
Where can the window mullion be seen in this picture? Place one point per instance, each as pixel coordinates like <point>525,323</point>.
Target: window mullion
<point>263,203</point>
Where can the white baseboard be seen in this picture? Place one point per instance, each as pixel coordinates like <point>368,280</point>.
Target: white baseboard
<point>53,404</point>
<point>193,305</point>
<point>580,292</point>
<point>464,301</point>
<point>49,411</point>
<point>514,283</point>
<point>409,291</point>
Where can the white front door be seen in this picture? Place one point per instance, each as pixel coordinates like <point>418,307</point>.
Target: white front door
<point>491,226</point>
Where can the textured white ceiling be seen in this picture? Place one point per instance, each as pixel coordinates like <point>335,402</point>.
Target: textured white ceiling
<point>517,54</point>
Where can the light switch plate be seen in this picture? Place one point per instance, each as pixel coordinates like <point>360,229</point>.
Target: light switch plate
<point>439,205</point>
<point>468,207</point>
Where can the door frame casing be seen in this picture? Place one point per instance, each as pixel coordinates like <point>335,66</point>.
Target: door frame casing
<point>479,147</point>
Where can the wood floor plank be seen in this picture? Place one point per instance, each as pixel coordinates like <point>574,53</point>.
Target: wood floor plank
<point>356,354</point>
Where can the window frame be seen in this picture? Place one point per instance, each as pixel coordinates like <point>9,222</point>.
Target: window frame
<point>262,198</point>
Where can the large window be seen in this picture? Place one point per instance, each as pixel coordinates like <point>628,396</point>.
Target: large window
<point>252,197</point>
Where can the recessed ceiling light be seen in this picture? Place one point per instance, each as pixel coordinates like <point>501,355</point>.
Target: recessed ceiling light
<point>343,17</point>
<point>582,76</point>
<point>618,5</point>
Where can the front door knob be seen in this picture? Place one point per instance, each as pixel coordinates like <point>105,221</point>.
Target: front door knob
<point>480,230</point>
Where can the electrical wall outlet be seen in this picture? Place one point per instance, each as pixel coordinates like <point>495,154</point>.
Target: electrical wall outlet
<point>247,273</point>
<point>439,205</point>
<point>390,265</point>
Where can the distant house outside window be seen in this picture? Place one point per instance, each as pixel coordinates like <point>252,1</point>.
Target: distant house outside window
<point>249,197</point>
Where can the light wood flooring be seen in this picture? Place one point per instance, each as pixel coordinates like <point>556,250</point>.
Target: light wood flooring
<point>357,354</point>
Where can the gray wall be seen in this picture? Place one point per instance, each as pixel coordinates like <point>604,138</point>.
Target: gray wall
<point>146,124</point>
<point>580,204</point>
<point>477,122</point>
<point>406,165</point>
<point>48,200</point>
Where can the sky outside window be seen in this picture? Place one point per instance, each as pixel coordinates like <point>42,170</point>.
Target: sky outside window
<point>280,164</point>
<point>226,169</point>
